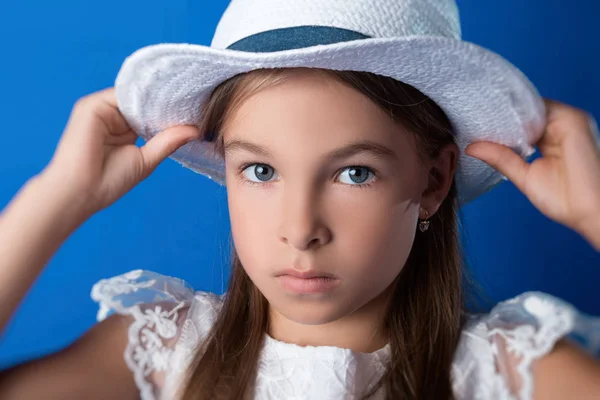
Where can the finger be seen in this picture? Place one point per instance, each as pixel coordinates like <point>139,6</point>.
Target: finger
<point>109,112</point>
<point>560,111</point>
<point>503,159</point>
<point>563,121</point>
<point>129,137</point>
<point>165,143</point>
<point>101,109</point>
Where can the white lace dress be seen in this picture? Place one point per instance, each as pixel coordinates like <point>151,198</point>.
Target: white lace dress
<point>169,319</point>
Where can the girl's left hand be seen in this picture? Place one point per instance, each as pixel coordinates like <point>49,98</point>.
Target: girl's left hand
<point>564,184</point>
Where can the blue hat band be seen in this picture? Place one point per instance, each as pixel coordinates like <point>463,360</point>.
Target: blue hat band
<point>294,38</point>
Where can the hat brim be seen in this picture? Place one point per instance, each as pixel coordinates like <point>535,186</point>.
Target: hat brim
<point>484,96</point>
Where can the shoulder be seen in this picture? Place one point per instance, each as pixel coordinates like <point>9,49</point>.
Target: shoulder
<point>508,353</point>
<point>568,371</point>
<point>166,318</point>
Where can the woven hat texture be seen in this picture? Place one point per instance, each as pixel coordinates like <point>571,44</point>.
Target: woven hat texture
<point>414,41</point>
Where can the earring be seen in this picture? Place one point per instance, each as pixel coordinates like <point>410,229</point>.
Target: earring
<point>424,225</point>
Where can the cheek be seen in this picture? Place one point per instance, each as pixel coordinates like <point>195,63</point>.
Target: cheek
<point>377,239</point>
<point>249,223</point>
<point>373,233</point>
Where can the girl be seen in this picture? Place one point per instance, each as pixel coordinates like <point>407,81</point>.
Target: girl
<point>346,282</point>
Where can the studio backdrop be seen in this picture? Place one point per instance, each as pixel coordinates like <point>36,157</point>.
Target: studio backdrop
<point>176,222</point>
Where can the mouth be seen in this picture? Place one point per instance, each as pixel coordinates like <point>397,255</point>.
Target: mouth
<point>310,281</point>
<point>308,274</point>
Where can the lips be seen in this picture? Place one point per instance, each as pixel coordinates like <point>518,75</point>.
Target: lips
<point>311,273</point>
<point>309,281</point>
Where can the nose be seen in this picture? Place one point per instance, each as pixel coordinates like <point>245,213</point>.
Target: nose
<point>302,225</point>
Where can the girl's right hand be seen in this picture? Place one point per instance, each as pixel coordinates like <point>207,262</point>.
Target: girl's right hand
<point>96,160</point>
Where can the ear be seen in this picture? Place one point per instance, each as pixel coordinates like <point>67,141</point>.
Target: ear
<point>439,180</point>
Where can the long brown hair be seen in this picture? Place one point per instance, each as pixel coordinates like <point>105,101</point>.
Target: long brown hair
<point>427,304</point>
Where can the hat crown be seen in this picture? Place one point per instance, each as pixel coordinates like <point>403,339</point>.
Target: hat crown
<point>373,18</point>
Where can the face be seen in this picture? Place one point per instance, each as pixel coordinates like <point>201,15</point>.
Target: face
<point>320,179</point>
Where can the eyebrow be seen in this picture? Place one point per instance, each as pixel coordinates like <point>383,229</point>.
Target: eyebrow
<point>340,153</point>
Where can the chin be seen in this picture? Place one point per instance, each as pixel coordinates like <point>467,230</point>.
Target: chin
<point>310,319</point>
<point>313,313</point>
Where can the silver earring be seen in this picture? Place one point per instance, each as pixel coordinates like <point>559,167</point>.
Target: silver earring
<point>424,225</point>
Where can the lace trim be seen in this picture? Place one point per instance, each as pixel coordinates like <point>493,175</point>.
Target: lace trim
<point>526,326</point>
<point>552,319</point>
<point>153,323</point>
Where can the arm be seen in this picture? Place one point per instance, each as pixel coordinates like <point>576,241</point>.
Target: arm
<point>96,162</point>
<point>532,339</point>
<point>91,368</point>
<point>32,227</point>
<point>94,366</point>
<point>591,232</point>
<point>566,373</point>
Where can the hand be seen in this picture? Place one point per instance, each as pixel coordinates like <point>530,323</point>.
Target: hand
<point>564,184</point>
<point>96,161</point>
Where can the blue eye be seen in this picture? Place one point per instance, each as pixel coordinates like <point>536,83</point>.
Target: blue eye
<point>259,172</point>
<point>358,175</point>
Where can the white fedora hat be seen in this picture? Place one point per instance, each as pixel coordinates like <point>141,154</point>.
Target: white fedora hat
<point>414,41</point>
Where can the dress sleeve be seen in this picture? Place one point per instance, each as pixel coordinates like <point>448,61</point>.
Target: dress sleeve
<point>157,307</point>
<point>526,328</point>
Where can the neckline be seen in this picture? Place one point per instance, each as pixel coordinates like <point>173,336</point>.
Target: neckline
<point>382,352</point>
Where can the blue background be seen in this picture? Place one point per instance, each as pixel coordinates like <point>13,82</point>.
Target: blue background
<point>176,222</point>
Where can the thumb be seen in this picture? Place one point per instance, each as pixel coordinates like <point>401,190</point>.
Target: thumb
<point>501,158</point>
<point>165,143</point>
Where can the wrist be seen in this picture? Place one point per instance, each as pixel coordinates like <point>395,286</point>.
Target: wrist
<point>590,230</point>
<point>71,208</point>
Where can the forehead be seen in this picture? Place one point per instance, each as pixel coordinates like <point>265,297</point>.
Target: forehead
<point>312,109</point>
